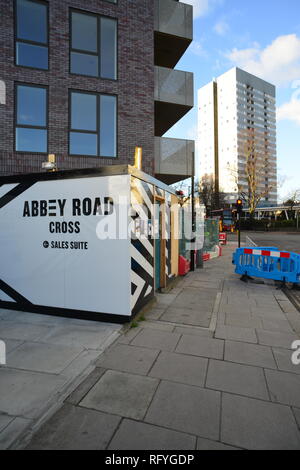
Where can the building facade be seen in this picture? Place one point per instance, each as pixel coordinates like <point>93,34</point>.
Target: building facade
<point>90,81</point>
<point>237,135</point>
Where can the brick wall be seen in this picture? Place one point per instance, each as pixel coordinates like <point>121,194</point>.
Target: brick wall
<point>134,87</point>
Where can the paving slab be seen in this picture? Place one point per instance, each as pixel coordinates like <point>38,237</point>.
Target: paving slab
<point>276,338</point>
<point>236,333</point>
<point>4,313</point>
<point>277,325</point>
<point>195,300</point>
<point>284,362</point>
<point>180,368</point>
<point>24,393</point>
<point>177,290</point>
<point>258,425</point>
<point>294,320</point>
<point>284,387</point>
<point>185,408</point>
<point>156,339</point>
<point>34,318</point>
<point>199,346</point>
<point>243,320</point>
<point>206,444</point>
<point>204,333</point>
<point>154,313</point>
<point>268,305</point>
<point>158,325</point>
<point>75,428</point>
<point>41,357</point>
<point>271,314</point>
<point>12,344</point>
<point>21,331</point>
<point>129,335</point>
<point>239,309</point>
<point>187,316</point>
<point>85,360</point>
<point>237,378</point>
<point>135,435</point>
<point>250,354</point>
<point>280,296</point>
<point>128,359</point>
<point>85,386</point>
<point>287,306</point>
<point>297,416</point>
<point>164,299</point>
<point>81,335</point>
<point>11,432</point>
<point>4,421</point>
<point>205,285</point>
<point>122,394</point>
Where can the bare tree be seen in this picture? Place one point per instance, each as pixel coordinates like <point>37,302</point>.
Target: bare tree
<point>185,187</point>
<point>292,200</point>
<point>257,168</point>
<point>209,196</point>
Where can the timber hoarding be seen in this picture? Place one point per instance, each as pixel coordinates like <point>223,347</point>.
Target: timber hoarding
<point>82,243</point>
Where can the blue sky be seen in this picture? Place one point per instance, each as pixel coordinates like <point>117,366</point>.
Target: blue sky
<point>262,37</point>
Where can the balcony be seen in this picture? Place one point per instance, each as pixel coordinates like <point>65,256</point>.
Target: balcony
<point>173,31</point>
<point>174,97</point>
<point>173,159</point>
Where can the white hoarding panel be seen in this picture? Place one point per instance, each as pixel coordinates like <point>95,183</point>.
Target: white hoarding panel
<point>51,253</point>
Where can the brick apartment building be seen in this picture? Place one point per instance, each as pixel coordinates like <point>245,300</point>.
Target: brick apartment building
<point>89,81</point>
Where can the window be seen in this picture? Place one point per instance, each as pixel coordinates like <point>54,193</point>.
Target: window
<point>93,124</point>
<point>93,45</point>
<point>32,34</point>
<point>31,119</point>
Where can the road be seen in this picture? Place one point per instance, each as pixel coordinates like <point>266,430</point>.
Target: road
<point>284,241</point>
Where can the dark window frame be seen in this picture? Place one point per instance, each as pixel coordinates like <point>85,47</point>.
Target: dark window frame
<point>32,43</point>
<point>24,126</point>
<point>98,124</point>
<point>97,54</point>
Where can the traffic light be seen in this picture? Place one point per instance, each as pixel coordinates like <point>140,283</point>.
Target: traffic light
<point>239,206</point>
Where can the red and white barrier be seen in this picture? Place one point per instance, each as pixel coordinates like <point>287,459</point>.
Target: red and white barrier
<point>275,254</point>
<point>223,238</point>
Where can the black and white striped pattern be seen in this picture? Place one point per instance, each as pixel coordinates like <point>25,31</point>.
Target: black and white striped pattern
<point>160,192</point>
<point>168,235</point>
<point>142,248</point>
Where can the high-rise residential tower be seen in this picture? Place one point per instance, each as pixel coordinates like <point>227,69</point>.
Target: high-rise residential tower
<point>237,135</point>
<point>89,81</point>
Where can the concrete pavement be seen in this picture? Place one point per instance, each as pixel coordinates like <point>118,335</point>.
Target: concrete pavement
<point>209,368</point>
<point>47,357</point>
<point>286,241</point>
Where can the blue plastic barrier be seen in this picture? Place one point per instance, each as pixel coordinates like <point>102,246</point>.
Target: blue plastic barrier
<point>268,263</point>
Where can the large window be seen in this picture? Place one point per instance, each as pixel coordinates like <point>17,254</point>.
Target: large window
<point>93,45</point>
<point>31,119</point>
<point>32,34</point>
<point>93,124</point>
